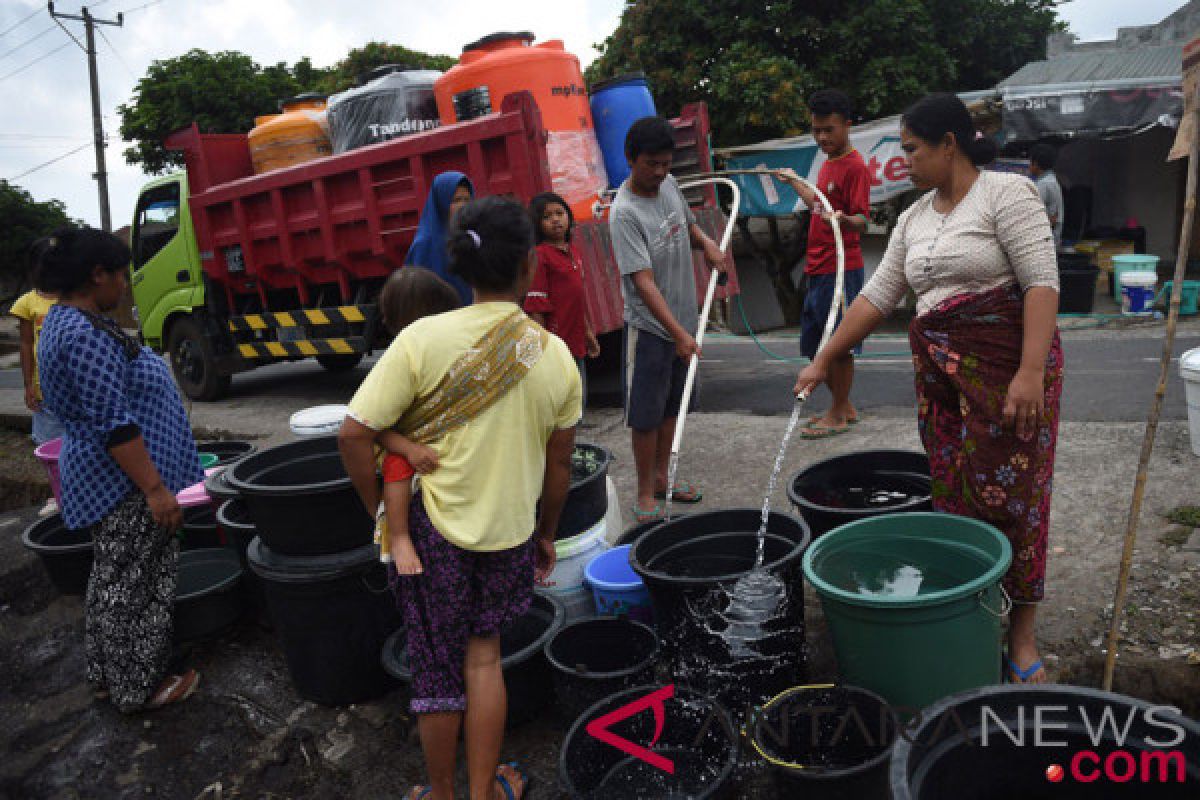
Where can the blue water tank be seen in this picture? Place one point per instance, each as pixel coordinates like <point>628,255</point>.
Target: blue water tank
<point>616,104</point>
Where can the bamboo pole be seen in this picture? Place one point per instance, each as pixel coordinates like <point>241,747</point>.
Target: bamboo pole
<point>1139,484</point>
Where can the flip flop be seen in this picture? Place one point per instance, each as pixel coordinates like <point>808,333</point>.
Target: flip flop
<point>417,792</point>
<point>648,516</point>
<point>813,420</point>
<point>682,487</point>
<point>823,431</point>
<point>177,689</point>
<point>509,794</point>
<point>1018,675</point>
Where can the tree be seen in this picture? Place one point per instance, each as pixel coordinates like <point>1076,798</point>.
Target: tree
<point>222,92</point>
<point>754,63</point>
<point>25,221</point>
<point>360,61</point>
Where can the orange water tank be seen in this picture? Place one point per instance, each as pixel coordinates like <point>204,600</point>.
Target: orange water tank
<point>497,65</point>
<point>300,133</point>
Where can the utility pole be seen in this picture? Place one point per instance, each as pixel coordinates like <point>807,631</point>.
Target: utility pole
<point>101,174</point>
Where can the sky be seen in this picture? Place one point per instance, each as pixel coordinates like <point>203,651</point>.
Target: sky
<point>45,111</point>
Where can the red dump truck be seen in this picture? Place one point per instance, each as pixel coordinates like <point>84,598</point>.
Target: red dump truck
<point>232,270</point>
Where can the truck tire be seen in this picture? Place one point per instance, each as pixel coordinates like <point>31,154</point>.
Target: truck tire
<point>337,362</point>
<point>193,362</point>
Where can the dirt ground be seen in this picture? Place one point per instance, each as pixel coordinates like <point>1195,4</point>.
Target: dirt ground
<point>247,734</point>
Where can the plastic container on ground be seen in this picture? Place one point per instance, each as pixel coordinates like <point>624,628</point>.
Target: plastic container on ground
<point>1077,290</point>
<point>859,485</point>
<point>208,597</point>
<point>614,523</point>
<point>617,589</point>
<point>227,451</point>
<point>826,742</point>
<point>333,614</point>
<point>66,554</point>
<point>1189,298</point>
<point>216,486</point>
<point>587,496</point>
<point>739,649</point>
<point>942,757</point>
<point>48,453</point>
<point>694,735</point>
<point>301,499</point>
<point>502,63</point>
<point>200,529</point>
<point>577,601</point>
<point>394,101</point>
<point>913,602</point>
<point>574,555</point>
<point>527,674</point>
<point>616,104</point>
<point>297,135</point>
<point>319,420</point>
<point>1137,293</point>
<point>1189,370</point>
<point>1125,263</point>
<point>595,657</point>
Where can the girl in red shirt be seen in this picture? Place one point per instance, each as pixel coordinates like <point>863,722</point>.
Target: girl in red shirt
<point>555,298</point>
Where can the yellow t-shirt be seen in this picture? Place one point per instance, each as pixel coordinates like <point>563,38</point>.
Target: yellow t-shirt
<point>33,307</point>
<point>489,476</point>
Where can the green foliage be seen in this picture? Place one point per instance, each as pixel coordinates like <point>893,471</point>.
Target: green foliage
<point>754,63</point>
<point>25,220</point>
<point>224,92</point>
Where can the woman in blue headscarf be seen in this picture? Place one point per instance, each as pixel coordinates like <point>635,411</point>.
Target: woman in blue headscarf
<point>450,192</point>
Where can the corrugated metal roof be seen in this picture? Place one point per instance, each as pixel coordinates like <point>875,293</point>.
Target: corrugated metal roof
<point>1141,63</point>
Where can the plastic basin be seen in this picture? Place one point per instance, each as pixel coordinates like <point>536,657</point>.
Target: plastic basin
<point>65,553</point>
<point>617,589</point>
<point>892,481</point>
<point>208,600</point>
<point>598,656</point>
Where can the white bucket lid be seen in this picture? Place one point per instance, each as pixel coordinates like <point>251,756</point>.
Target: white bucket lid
<point>318,420</point>
<point>1139,278</point>
<point>1189,365</point>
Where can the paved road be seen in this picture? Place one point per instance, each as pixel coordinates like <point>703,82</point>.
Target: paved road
<point>1110,377</point>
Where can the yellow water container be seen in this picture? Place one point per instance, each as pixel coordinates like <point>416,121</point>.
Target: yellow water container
<point>299,134</point>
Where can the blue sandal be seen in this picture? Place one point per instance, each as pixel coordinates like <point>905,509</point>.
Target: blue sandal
<point>506,787</point>
<point>1018,675</point>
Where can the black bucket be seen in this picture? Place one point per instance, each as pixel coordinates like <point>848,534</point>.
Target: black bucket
<point>301,499</point>
<point>227,451</point>
<point>234,520</point>
<point>826,742</point>
<point>594,657</point>
<point>691,566</point>
<point>216,486</point>
<point>208,600</point>
<point>1077,290</point>
<point>587,497</point>
<point>200,530</point>
<point>1154,754</point>
<point>859,485</point>
<point>65,553</point>
<point>333,614</point>
<point>527,674</point>
<point>634,532</point>
<point>695,735</point>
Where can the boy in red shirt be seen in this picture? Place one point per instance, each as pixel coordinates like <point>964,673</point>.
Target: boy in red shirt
<point>845,180</point>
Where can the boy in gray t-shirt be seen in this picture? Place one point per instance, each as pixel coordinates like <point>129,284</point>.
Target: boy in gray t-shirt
<point>653,234</point>
<point>1041,169</point>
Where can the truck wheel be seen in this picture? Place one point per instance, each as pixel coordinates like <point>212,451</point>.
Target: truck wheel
<point>193,363</point>
<point>339,362</point>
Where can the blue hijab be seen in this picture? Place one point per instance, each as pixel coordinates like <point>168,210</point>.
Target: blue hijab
<point>429,247</point>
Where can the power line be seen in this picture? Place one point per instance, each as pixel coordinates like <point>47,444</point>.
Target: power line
<point>139,8</point>
<point>21,22</point>
<point>26,43</point>
<point>23,136</point>
<point>115,53</point>
<point>45,164</point>
<point>68,33</point>
<point>35,61</point>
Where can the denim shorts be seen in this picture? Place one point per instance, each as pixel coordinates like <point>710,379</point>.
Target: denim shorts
<point>816,308</point>
<point>652,381</point>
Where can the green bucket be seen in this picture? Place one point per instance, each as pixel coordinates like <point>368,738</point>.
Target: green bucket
<point>914,603</point>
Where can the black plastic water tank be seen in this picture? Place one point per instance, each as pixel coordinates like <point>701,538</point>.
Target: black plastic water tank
<point>394,101</point>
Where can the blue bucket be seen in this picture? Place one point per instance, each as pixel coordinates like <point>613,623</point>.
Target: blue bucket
<point>617,588</point>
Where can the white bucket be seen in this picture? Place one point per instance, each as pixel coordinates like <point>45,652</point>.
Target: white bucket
<point>1137,293</point>
<point>1189,370</point>
<point>574,554</point>
<point>318,420</point>
<point>579,602</point>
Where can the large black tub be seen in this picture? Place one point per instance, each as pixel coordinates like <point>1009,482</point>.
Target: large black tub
<point>239,530</point>
<point>595,657</point>
<point>694,737</point>
<point>66,554</point>
<point>227,451</point>
<point>208,600</point>
<point>301,499</point>
<point>333,614</point>
<point>737,638</point>
<point>200,530</point>
<point>856,486</point>
<point>944,757</point>
<point>216,486</point>
<point>587,497</point>
<point>527,674</point>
